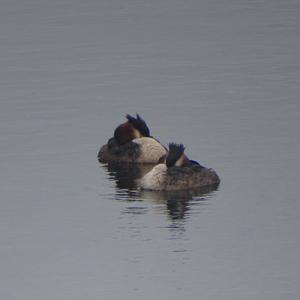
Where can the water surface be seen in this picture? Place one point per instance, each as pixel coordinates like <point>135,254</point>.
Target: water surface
<point>220,77</point>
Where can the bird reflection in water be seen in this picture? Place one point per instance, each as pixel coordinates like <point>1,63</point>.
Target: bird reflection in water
<point>177,203</point>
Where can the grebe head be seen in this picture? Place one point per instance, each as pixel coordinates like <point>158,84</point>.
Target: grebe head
<point>132,129</point>
<point>176,156</point>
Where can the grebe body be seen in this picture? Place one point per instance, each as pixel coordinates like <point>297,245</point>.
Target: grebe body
<point>178,173</point>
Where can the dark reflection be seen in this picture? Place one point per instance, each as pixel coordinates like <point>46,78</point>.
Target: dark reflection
<point>176,203</point>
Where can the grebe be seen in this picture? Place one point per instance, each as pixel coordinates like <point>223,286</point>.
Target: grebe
<point>178,173</point>
<point>132,143</point>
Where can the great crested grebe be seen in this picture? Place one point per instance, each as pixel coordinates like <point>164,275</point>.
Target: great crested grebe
<point>132,143</point>
<point>178,173</point>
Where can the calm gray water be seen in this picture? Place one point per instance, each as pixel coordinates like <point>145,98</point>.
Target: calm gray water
<point>222,77</point>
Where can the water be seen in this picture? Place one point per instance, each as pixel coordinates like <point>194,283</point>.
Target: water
<point>220,77</point>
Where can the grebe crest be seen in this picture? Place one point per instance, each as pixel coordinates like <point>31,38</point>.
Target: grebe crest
<point>176,156</point>
<point>139,124</point>
<point>132,129</point>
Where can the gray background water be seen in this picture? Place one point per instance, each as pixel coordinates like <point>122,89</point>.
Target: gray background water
<point>222,77</point>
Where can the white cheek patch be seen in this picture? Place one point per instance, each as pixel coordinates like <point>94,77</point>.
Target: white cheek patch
<point>136,133</point>
<point>180,161</point>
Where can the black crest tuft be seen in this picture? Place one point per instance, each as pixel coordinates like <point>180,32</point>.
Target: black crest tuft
<point>139,124</point>
<point>175,152</point>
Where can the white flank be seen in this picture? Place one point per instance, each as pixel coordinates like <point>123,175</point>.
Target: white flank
<point>155,179</point>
